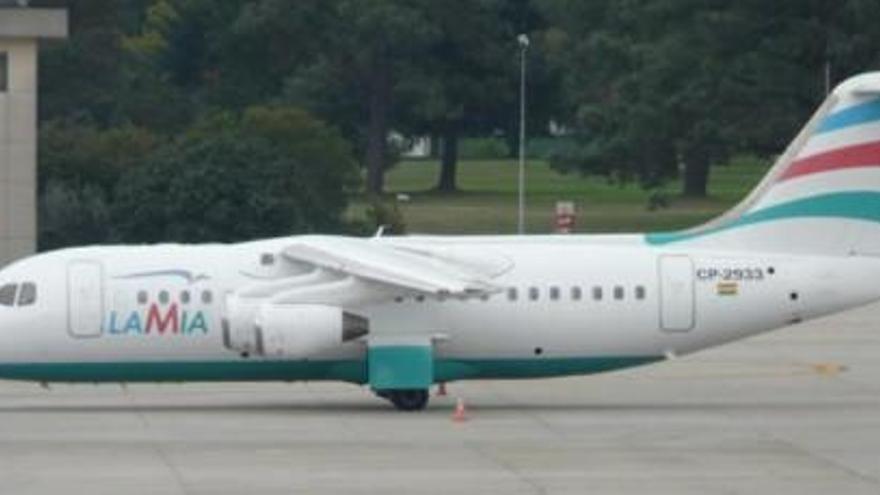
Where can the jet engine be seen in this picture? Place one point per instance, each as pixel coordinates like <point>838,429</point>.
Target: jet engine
<point>298,331</point>
<point>238,324</point>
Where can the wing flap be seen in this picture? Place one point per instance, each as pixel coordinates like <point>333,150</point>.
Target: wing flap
<point>386,264</point>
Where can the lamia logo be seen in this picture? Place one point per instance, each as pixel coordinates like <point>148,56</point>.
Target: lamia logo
<point>157,321</point>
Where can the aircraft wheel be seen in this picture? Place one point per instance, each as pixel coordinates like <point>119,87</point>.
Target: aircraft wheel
<point>409,400</point>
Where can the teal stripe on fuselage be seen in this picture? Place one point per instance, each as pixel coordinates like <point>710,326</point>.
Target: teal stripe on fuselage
<point>855,115</point>
<point>354,371</point>
<point>856,205</point>
<point>462,369</point>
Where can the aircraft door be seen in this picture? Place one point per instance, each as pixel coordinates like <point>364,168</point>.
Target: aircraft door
<point>85,298</point>
<point>676,293</point>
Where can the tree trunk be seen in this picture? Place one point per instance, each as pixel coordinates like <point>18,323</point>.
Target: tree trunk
<point>377,130</point>
<point>435,146</point>
<point>696,175</point>
<point>448,162</point>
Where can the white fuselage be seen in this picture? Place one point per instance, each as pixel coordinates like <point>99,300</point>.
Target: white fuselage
<point>570,304</point>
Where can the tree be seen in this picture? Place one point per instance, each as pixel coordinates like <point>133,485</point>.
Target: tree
<point>464,80</point>
<point>72,215</point>
<point>79,167</point>
<point>663,84</point>
<point>266,43</point>
<point>272,171</point>
<point>647,91</point>
<point>367,48</point>
<point>78,154</point>
<point>78,76</point>
<point>110,71</point>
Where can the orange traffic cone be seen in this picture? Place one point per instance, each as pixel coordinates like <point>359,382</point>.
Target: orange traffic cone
<point>460,414</point>
<point>441,389</point>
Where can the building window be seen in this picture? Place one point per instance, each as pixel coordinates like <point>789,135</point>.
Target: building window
<point>7,294</point>
<point>597,293</point>
<point>640,293</point>
<point>576,293</point>
<point>618,293</point>
<point>534,293</point>
<point>28,294</point>
<point>4,72</point>
<point>512,294</point>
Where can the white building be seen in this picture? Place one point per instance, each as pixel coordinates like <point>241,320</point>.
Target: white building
<point>20,30</point>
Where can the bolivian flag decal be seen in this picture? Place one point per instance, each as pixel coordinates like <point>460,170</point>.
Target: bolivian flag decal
<point>727,288</point>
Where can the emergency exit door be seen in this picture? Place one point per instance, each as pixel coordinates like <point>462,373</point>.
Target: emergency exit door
<point>676,293</point>
<point>85,298</point>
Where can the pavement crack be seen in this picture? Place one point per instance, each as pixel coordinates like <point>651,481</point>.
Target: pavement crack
<point>875,482</point>
<point>510,468</point>
<point>176,475</point>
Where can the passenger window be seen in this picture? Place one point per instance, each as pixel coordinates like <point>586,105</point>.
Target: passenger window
<point>28,294</point>
<point>618,293</point>
<point>7,294</point>
<point>163,297</point>
<point>142,297</point>
<point>184,297</point>
<point>420,298</point>
<point>576,294</point>
<point>267,259</point>
<point>512,294</point>
<point>207,297</point>
<point>597,293</point>
<point>554,293</point>
<point>640,292</point>
<point>534,293</point>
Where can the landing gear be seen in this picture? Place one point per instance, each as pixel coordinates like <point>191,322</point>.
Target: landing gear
<point>406,399</point>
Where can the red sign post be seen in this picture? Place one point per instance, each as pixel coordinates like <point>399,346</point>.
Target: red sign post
<point>565,217</point>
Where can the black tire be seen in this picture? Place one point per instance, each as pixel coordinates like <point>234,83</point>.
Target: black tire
<point>409,399</point>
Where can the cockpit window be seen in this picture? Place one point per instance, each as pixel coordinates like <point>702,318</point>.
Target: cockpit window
<point>7,294</point>
<point>28,294</point>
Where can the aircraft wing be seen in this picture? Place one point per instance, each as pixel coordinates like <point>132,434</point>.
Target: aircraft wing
<point>415,270</point>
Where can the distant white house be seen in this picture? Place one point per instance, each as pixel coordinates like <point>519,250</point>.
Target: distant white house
<point>419,147</point>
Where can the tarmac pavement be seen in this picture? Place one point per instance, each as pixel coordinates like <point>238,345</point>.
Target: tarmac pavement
<point>796,411</point>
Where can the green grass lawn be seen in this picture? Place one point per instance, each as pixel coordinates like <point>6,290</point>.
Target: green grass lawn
<point>487,200</point>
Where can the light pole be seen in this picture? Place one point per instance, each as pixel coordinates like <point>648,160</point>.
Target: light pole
<point>523,41</point>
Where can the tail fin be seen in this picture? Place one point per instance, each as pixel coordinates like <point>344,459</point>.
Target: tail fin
<point>823,194</point>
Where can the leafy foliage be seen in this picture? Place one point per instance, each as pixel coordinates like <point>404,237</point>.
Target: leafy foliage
<point>165,119</point>
<point>79,153</point>
<point>71,215</point>
<point>270,172</point>
<point>660,86</point>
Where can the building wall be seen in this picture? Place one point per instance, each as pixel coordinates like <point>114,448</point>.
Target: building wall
<point>18,151</point>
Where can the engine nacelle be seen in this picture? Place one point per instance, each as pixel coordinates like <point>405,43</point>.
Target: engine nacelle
<point>297,331</point>
<point>238,324</point>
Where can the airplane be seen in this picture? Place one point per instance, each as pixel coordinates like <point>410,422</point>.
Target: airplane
<point>400,314</point>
